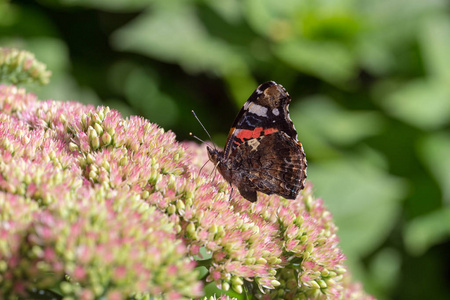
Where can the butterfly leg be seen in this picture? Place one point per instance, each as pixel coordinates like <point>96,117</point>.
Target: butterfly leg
<point>231,193</point>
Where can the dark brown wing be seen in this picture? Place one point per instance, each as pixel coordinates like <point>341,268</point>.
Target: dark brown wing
<point>267,107</point>
<point>271,164</point>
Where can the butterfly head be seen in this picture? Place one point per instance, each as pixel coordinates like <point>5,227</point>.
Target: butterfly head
<point>222,164</point>
<point>214,155</point>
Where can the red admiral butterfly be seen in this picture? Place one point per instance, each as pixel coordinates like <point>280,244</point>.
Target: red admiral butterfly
<point>262,152</point>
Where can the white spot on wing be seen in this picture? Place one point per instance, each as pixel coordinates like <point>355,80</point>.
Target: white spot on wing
<point>254,143</point>
<point>275,111</point>
<point>258,110</point>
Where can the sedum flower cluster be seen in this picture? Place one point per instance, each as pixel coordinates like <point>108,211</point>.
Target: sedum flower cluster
<point>95,206</point>
<point>20,66</point>
<point>72,218</point>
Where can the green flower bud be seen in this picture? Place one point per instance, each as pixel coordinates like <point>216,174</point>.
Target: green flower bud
<point>237,288</point>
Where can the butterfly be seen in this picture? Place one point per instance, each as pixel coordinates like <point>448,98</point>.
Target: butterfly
<point>262,152</point>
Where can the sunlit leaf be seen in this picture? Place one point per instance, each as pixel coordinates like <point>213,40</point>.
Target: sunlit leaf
<point>230,10</point>
<point>265,15</point>
<point>435,154</point>
<point>390,28</point>
<point>8,13</point>
<point>241,85</point>
<point>327,60</point>
<point>386,267</point>
<point>321,124</point>
<point>364,200</point>
<point>53,52</point>
<point>64,87</point>
<point>422,103</point>
<point>384,271</point>
<point>375,56</point>
<point>173,33</point>
<point>426,231</point>
<point>143,93</point>
<point>436,47</point>
<point>111,5</point>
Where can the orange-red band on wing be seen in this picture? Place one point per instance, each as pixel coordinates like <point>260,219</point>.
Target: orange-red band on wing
<point>246,134</point>
<point>270,130</point>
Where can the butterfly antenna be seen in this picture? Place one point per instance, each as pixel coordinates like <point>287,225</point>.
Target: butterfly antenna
<point>196,137</point>
<point>195,115</point>
<point>200,171</point>
<point>193,112</point>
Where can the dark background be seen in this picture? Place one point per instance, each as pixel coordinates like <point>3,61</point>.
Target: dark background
<point>370,82</point>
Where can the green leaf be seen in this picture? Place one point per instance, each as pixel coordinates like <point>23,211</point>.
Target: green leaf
<point>435,46</point>
<point>109,5</point>
<point>51,51</point>
<point>364,200</point>
<point>204,255</point>
<point>143,93</point>
<point>375,56</point>
<point>264,15</point>
<point>381,274</point>
<point>328,60</point>
<point>202,271</point>
<point>422,103</point>
<point>8,13</point>
<point>385,268</point>
<point>434,152</point>
<point>425,102</point>
<point>329,125</point>
<point>424,232</point>
<point>173,33</point>
<point>230,10</point>
<point>211,289</point>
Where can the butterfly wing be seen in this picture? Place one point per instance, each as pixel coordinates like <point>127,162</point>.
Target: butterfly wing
<point>262,152</point>
<point>271,164</point>
<point>266,111</point>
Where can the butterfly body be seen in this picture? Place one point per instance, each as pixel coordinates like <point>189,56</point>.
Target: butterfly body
<point>262,153</point>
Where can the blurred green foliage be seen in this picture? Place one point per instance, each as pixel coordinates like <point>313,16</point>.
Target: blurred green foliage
<point>370,82</point>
